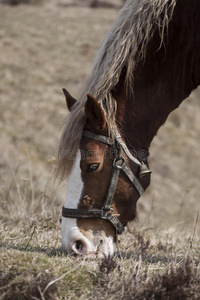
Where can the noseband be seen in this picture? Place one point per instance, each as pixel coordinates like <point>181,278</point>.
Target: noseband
<point>119,164</point>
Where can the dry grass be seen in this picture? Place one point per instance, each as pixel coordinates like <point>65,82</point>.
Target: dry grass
<point>42,49</point>
<point>156,265</point>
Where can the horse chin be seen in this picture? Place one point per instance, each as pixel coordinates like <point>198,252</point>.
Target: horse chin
<point>106,249</point>
<point>86,244</point>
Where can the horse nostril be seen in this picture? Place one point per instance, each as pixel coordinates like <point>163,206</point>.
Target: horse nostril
<point>79,245</point>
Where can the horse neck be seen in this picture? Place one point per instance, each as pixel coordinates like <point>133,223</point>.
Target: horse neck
<point>167,77</point>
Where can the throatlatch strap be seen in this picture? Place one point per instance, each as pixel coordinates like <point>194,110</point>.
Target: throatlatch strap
<point>127,171</point>
<point>125,148</point>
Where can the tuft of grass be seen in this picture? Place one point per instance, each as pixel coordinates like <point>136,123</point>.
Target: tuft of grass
<point>22,281</point>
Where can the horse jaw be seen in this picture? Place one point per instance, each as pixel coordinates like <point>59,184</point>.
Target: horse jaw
<point>89,244</point>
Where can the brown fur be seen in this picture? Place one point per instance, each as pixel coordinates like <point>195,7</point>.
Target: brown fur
<point>94,114</point>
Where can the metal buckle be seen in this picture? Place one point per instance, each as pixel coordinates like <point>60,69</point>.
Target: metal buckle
<point>118,162</point>
<point>106,212</point>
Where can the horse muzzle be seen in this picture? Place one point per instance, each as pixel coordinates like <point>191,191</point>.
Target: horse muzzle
<point>89,245</point>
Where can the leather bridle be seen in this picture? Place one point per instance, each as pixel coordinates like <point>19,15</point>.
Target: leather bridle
<point>119,164</point>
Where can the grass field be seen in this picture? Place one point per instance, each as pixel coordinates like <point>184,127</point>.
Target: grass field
<point>44,48</point>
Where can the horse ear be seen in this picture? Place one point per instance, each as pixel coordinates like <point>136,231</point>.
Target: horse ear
<point>70,101</point>
<point>94,113</point>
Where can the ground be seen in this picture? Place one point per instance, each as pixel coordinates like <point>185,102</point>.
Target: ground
<point>46,47</point>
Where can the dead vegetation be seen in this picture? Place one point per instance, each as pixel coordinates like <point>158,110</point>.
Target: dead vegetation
<point>34,267</point>
<point>42,49</point>
<point>175,282</point>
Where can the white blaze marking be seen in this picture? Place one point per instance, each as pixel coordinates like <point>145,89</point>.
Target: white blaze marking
<point>70,230</point>
<point>74,189</point>
<point>74,185</point>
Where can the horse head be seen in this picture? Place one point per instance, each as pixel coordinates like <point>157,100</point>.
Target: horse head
<point>103,187</point>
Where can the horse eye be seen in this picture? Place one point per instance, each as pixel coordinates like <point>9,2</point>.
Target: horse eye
<point>92,168</point>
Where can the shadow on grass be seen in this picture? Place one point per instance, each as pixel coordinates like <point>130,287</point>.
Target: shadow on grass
<point>54,252</point>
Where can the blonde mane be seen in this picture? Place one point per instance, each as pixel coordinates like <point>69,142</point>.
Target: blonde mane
<point>124,46</point>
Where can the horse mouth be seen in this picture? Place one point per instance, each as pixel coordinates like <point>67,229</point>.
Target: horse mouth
<point>99,247</point>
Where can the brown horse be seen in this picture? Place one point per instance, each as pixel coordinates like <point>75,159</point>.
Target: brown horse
<point>148,64</point>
